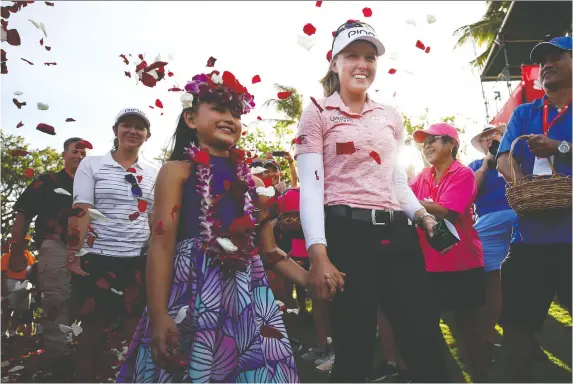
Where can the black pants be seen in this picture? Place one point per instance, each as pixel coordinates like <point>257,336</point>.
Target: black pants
<point>383,264</point>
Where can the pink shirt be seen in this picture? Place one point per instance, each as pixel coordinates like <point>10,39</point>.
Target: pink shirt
<point>350,144</point>
<point>290,201</point>
<point>457,192</point>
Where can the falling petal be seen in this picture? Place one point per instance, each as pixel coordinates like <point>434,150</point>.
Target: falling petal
<point>411,22</point>
<point>50,63</point>
<point>431,19</point>
<point>305,42</point>
<point>211,61</point>
<point>392,71</point>
<point>284,95</point>
<point>96,215</point>
<point>427,50</point>
<point>62,191</point>
<point>19,152</point>
<point>256,79</point>
<point>329,55</point>
<point>20,124</point>
<point>119,293</point>
<point>84,144</point>
<point>28,173</point>
<point>309,29</point>
<point>13,37</point>
<point>367,12</point>
<point>18,93</point>
<point>48,48</point>
<point>265,191</point>
<point>46,129</point>
<point>127,74</point>
<point>318,3</point>
<point>27,61</point>
<point>42,41</point>
<point>16,369</point>
<point>158,103</point>
<point>49,4</point>
<point>18,104</point>
<point>420,45</point>
<point>43,107</point>
<point>181,314</point>
<point>40,26</point>
<point>70,119</point>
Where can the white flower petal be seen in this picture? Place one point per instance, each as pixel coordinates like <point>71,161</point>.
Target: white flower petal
<point>62,191</point>
<point>181,314</point>
<point>154,74</point>
<point>186,100</point>
<point>43,107</point>
<point>116,291</point>
<point>431,19</point>
<point>216,79</point>
<point>3,37</point>
<point>22,286</point>
<point>305,42</point>
<point>257,170</point>
<point>227,244</point>
<point>65,328</point>
<point>76,329</point>
<point>96,215</point>
<point>16,369</point>
<point>81,252</point>
<point>411,21</point>
<point>18,93</point>
<point>268,191</point>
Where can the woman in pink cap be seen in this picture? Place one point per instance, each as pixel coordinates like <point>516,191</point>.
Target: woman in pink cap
<point>358,216</point>
<point>447,189</point>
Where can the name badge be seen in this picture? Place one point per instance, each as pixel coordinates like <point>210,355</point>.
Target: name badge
<point>541,166</point>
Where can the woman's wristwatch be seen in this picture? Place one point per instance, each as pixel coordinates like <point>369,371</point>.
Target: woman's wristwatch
<point>420,219</point>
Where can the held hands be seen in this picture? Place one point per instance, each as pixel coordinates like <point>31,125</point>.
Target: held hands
<point>542,146</point>
<point>164,342</point>
<point>323,279</point>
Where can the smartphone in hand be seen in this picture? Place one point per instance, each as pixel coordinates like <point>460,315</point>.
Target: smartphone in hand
<point>279,153</point>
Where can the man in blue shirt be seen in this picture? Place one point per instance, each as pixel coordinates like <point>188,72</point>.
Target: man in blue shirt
<point>538,265</point>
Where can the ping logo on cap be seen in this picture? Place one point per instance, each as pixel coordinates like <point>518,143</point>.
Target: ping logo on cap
<point>131,110</point>
<point>359,32</point>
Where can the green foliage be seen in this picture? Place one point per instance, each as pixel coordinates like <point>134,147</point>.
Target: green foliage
<point>13,181</point>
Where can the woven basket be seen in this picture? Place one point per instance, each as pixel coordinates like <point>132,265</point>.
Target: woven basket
<point>535,195</point>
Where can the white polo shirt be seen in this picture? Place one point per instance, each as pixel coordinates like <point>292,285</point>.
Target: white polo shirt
<point>100,181</point>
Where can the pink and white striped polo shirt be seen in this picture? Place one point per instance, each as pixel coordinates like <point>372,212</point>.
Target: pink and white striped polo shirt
<point>359,151</point>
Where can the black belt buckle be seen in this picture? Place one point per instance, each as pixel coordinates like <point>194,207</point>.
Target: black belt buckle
<point>374,222</point>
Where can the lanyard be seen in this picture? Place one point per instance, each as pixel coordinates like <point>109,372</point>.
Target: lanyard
<point>546,127</point>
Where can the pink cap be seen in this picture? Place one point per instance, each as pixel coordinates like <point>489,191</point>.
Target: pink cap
<point>438,129</point>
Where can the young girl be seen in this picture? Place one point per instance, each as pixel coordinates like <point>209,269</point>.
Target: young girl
<point>211,316</point>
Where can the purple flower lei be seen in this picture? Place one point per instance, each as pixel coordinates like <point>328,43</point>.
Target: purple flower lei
<point>208,230</point>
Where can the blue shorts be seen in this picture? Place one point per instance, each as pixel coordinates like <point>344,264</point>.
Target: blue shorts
<point>494,230</point>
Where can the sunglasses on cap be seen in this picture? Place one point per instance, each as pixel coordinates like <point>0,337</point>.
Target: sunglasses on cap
<point>135,188</point>
<point>349,25</point>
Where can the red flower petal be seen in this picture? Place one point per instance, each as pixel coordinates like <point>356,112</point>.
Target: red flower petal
<point>174,89</point>
<point>267,181</point>
<point>284,95</point>
<point>175,210</point>
<point>70,119</point>
<point>420,45</point>
<point>140,56</point>
<point>244,133</point>
<point>211,61</point>
<point>50,63</point>
<point>20,124</point>
<point>316,103</point>
<point>169,74</point>
<point>5,12</point>
<point>139,178</point>
<point>112,275</point>
<point>159,228</point>
<point>134,216</point>
<point>352,21</point>
<point>345,148</point>
<point>3,68</point>
<point>256,79</point>
<point>309,29</point>
<point>142,205</point>
<point>131,170</point>
<point>259,118</point>
<point>367,12</point>
<point>385,242</point>
<point>91,238</point>
<point>28,173</point>
<point>84,144</point>
<point>376,157</point>
<point>158,65</point>
<point>19,152</point>
<point>127,74</point>
<point>427,50</point>
<point>13,37</point>
<point>151,107</point>
<point>238,155</point>
<point>46,129</point>
<point>148,80</point>
<point>3,56</point>
<point>316,175</point>
<point>42,41</point>
<point>241,224</point>
<point>299,140</point>
<point>329,55</point>
<point>318,3</point>
<point>392,71</point>
<point>103,283</point>
<point>18,104</point>
<point>48,48</point>
<point>124,58</point>
<point>158,103</point>
<point>27,61</point>
<point>271,332</point>
<point>202,157</point>
<point>49,4</point>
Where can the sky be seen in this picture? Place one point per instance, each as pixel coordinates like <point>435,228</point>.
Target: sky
<point>247,38</point>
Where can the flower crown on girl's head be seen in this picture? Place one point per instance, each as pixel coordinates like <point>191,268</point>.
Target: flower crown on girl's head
<point>224,89</point>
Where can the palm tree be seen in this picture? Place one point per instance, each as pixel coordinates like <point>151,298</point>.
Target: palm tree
<point>291,107</point>
<point>483,31</point>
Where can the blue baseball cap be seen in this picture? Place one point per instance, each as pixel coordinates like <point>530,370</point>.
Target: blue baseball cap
<point>564,43</point>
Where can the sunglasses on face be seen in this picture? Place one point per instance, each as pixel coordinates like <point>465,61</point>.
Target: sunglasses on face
<point>431,139</point>
<point>135,189</point>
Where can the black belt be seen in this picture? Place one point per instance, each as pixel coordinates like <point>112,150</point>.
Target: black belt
<point>373,216</point>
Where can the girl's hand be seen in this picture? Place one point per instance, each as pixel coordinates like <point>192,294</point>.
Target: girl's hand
<point>428,223</point>
<point>74,263</point>
<point>164,341</point>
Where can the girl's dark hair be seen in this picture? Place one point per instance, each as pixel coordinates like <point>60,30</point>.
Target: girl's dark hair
<point>448,139</point>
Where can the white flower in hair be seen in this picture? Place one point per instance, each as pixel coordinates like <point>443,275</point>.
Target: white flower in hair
<point>186,100</point>
<point>216,79</point>
<point>227,244</point>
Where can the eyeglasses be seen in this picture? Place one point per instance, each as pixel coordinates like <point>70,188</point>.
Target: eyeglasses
<point>135,189</point>
<point>348,25</point>
<point>431,139</point>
